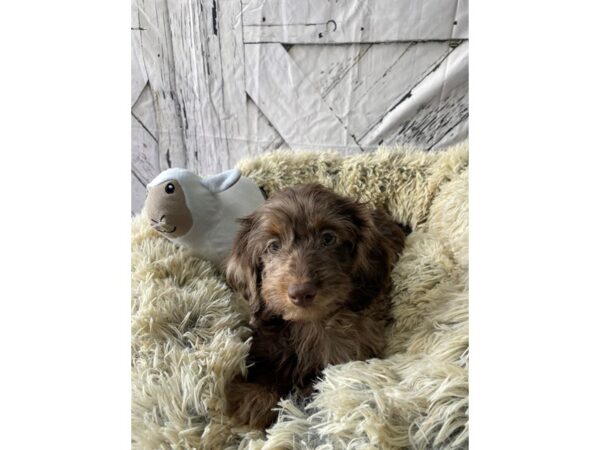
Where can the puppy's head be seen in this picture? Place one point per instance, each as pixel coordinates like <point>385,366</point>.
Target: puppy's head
<point>307,252</point>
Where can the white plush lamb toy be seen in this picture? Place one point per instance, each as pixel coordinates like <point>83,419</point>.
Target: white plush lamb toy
<point>200,213</point>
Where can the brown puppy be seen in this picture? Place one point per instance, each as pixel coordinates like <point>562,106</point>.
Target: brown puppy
<point>315,268</point>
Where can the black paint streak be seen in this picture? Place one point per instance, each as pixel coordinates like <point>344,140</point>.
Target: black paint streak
<point>434,121</point>
<point>407,95</point>
<point>214,17</point>
<point>206,64</point>
<point>461,120</point>
<point>320,35</point>
<point>144,127</point>
<point>138,29</point>
<point>307,24</point>
<point>185,116</point>
<point>339,78</point>
<point>168,158</point>
<point>138,177</point>
<point>412,44</point>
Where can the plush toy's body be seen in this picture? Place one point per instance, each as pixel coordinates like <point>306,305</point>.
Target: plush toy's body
<point>201,213</point>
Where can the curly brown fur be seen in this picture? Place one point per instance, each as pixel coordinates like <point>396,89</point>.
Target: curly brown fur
<point>315,269</point>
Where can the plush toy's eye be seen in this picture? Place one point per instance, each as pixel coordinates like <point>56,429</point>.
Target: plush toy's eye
<point>169,188</point>
<point>274,246</point>
<point>328,238</point>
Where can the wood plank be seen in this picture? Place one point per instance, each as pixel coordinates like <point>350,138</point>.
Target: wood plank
<point>195,65</point>
<point>139,77</point>
<point>326,66</point>
<point>145,161</point>
<point>209,88</point>
<point>436,105</point>
<point>382,77</point>
<point>435,124</point>
<point>144,153</point>
<point>231,46</point>
<point>461,21</point>
<point>138,194</point>
<point>367,83</point>
<point>290,102</point>
<point>196,74</point>
<point>353,21</point>
<point>262,136</point>
<point>157,54</point>
<point>459,133</point>
<point>143,111</point>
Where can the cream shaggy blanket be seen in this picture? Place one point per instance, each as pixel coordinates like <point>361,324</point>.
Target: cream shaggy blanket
<point>190,335</point>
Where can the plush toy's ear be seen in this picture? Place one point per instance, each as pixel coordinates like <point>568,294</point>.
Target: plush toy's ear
<point>223,181</point>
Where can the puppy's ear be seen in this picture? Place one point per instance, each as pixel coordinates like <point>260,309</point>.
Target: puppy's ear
<point>244,267</point>
<point>379,242</point>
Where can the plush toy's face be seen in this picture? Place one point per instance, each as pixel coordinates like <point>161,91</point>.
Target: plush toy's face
<point>167,209</point>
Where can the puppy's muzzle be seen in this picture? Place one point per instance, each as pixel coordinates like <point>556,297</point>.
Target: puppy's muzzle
<point>302,294</point>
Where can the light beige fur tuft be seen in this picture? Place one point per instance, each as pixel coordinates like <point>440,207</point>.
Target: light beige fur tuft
<point>189,334</point>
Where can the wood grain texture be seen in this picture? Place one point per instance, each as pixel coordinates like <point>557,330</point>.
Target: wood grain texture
<point>363,84</point>
<point>353,21</point>
<point>382,77</point>
<point>262,136</point>
<point>195,61</point>
<point>454,135</point>
<point>139,77</point>
<point>326,66</point>
<point>215,81</point>
<point>157,53</point>
<point>290,101</point>
<point>144,149</point>
<point>437,103</point>
<point>231,47</point>
<point>145,160</point>
<point>197,75</point>
<point>138,194</point>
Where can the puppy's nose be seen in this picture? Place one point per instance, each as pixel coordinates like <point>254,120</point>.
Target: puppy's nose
<point>302,293</point>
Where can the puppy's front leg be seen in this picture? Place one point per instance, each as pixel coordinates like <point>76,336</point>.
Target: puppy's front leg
<point>252,404</point>
<point>250,400</point>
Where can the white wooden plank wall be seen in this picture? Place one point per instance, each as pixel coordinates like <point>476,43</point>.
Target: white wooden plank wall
<point>355,21</point>
<point>214,81</point>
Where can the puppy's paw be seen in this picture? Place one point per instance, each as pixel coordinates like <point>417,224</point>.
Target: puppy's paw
<point>251,404</point>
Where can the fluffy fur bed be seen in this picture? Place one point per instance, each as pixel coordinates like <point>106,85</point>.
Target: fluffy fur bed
<point>189,335</point>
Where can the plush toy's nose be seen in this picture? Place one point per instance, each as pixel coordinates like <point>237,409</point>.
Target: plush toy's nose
<point>159,221</point>
<point>163,225</point>
<point>302,294</point>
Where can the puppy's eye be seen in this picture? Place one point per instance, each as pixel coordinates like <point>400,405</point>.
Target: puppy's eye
<point>328,238</point>
<point>169,188</point>
<point>273,246</point>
